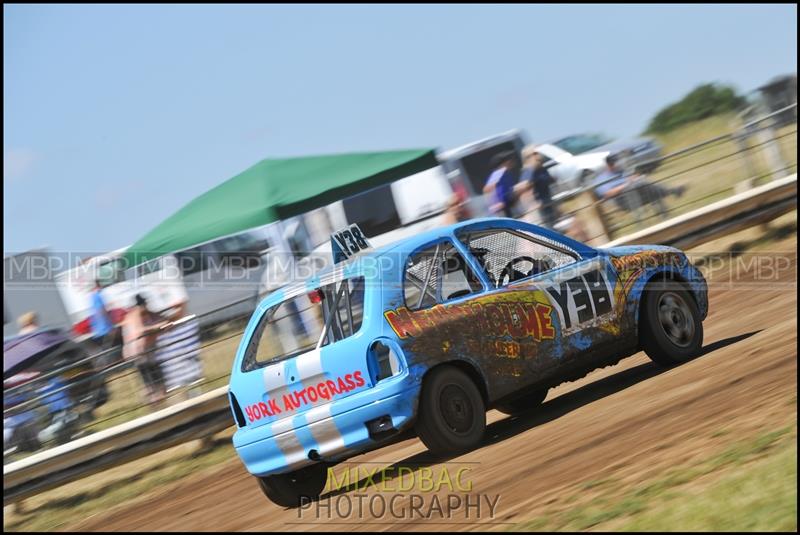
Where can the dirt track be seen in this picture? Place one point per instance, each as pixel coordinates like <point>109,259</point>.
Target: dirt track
<point>628,422</point>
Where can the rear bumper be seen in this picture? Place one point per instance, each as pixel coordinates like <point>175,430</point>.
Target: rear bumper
<point>335,431</point>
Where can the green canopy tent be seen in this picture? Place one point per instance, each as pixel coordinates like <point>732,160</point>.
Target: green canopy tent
<point>275,189</point>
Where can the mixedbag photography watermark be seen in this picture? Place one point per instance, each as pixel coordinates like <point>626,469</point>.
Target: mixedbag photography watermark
<point>376,493</point>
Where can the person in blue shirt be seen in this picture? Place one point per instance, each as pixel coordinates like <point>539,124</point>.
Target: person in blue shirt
<point>611,182</point>
<point>631,190</point>
<point>100,320</point>
<point>103,330</point>
<point>500,185</point>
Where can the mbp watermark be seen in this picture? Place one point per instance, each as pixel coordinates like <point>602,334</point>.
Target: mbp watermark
<point>762,270</point>
<point>79,270</point>
<point>375,493</point>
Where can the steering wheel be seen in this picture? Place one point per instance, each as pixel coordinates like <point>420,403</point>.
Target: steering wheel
<point>514,275</point>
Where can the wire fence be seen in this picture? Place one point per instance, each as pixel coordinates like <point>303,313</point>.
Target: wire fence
<point>54,407</point>
<point>646,193</point>
<point>63,403</point>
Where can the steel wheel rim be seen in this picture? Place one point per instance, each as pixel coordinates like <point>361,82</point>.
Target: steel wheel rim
<point>457,410</point>
<point>676,319</point>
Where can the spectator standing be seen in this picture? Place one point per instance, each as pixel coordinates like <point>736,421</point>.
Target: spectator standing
<point>500,185</point>
<point>457,205</point>
<point>139,333</point>
<point>538,179</point>
<point>178,351</point>
<point>104,333</point>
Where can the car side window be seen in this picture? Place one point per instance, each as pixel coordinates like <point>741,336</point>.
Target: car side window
<point>193,260</point>
<point>508,255</point>
<point>546,160</point>
<point>297,325</point>
<point>348,313</point>
<point>111,272</point>
<point>241,251</point>
<point>437,274</point>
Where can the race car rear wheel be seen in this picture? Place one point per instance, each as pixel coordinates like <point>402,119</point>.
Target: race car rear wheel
<point>670,328</point>
<point>293,488</point>
<point>524,403</point>
<point>452,414</point>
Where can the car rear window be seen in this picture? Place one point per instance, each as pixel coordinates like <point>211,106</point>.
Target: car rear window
<point>437,274</point>
<point>297,325</point>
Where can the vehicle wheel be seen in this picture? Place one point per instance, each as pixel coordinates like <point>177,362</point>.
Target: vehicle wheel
<point>26,437</point>
<point>670,328</point>
<point>100,394</point>
<point>287,490</point>
<point>524,403</point>
<point>452,414</point>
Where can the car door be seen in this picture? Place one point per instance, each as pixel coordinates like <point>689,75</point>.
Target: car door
<point>433,313</point>
<point>453,312</point>
<point>572,296</point>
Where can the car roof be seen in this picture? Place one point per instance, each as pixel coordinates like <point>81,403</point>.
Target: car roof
<point>412,243</point>
<point>409,244</point>
<point>355,266</point>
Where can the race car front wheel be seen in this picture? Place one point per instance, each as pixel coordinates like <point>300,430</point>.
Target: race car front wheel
<point>294,488</point>
<point>452,414</point>
<point>670,328</point>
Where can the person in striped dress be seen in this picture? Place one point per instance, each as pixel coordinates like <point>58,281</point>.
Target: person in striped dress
<point>178,352</point>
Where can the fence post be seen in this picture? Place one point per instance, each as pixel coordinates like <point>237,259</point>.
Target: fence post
<point>596,224</point>
<point>772,152</point>
<point>744,150</point>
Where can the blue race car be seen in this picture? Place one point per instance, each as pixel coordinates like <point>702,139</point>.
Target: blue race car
<point>429,333</point>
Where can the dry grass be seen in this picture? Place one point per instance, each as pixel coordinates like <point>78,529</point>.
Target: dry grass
<point>117,486</point>
<point>750,486</point>
<point>708,174</point>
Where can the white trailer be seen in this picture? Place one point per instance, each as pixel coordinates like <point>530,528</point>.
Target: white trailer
<point>29,286</point>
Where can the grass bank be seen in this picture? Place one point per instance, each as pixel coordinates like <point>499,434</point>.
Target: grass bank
<point>751,486</point>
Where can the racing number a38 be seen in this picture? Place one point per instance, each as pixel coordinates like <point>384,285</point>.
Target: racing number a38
<point>431,332</point>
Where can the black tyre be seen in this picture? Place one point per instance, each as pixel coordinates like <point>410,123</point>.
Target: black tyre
<point>670,330</point>
<point>452,414</point>
<point>26,436</point>
<point>524,403</point>
<point>288,489</point>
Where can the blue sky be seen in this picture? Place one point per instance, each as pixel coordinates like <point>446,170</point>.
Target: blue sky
<point>115,116</point>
